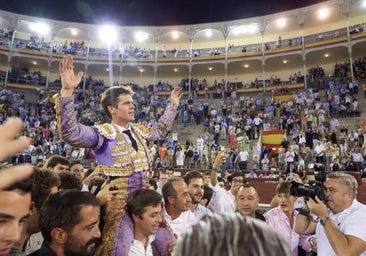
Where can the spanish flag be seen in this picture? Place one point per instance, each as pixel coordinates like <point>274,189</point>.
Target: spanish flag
<point>283,97</point>
<point>273,138</point>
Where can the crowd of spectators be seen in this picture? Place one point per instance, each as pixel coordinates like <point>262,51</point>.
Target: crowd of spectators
<point>316,73</point>
<point>344,69</point>
<point>311,116</point>
<point>88,198</point>
<point>357,28</point>
<point>232,121</point>
<point>200,198</point>
<point>232,126</point>
<point>78,47</point>
<point>74,48</point>
<point>23,75</point>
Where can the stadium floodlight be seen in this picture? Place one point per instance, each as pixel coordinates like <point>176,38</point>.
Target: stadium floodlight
<point>74,32</point>
<point>208,33</point>
<point>141,36</point>
<point>281,23</point>
<point>252,28</point>
<point>108,34</point>
<point>245,29</point>
<point>39,28</point>
<point>175,35</point>
<point>323,13</point>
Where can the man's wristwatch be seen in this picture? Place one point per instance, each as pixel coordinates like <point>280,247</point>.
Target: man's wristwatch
<point>324,220</point>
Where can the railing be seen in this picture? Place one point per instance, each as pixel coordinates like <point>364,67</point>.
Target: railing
<point>143,55</point>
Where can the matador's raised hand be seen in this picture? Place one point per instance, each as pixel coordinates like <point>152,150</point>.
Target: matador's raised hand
<point>69,80</point>
<point>175,95</point>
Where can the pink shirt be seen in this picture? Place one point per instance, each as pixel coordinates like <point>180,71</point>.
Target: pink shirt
<point>277,219</point>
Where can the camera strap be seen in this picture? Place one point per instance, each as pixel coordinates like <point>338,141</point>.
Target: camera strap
<point>303,212</point>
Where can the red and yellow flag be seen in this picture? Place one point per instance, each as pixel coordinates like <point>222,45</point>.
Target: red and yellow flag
<point>283,97</point>
<point>273,138</point>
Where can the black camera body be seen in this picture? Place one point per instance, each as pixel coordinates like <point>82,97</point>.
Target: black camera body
<point>316,189</point>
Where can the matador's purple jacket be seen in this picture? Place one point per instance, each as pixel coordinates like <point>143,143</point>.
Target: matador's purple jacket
<point>126,167</point>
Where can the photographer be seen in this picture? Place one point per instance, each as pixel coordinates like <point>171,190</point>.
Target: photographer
<point>340,220</point>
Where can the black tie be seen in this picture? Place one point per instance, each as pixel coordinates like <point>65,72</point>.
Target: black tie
<point>133,141</point>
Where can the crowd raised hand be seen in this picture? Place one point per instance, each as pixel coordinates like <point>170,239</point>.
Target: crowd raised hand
<point>10,145</point>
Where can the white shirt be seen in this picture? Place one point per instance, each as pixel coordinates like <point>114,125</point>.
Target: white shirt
<point>222,201</point>
<point>350,222</point>
<point>34,243</point>
<point>290,156</point>
<point>201,211</point>
<point>243,156</point>
<point>182,222</point>
<point>266,126</point>
<point>200,142</point>
<point>153,151</point>
<point>137,248</point>
<point>319,149</point>
<point>357,157</point>
<point>257,121</point>
<point>75,154</point>
<point>302,139</point>
<point>122,129</point>
<point>251,175</point>
<point>179,157</point>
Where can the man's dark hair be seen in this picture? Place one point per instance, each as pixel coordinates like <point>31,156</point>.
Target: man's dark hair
<point>88,172</point>
<point>62,210</point>
<point>57,159</point>
<point>248,185</point>
<point>75,162</point>
<point>153,183</point>
<point>219,179</point>
<point>235,174</point>
<point>192,175</point>
<point>110,97</point>
<point>23,186</point>
<point>42,183</point>
<point>138,201</point>
<point>69,181</point>
<point>283,187</point>
<point>168,188</point>
<point>208,173</point>
<point>168,168</point>
<point>207,194</point>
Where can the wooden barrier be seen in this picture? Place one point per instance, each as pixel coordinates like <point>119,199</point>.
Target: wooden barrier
<point>266,188</point>
<point>361,196</point>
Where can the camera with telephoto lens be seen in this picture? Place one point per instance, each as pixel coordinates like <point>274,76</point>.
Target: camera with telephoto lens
<point>316,189</point>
